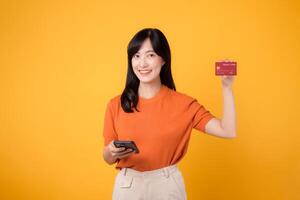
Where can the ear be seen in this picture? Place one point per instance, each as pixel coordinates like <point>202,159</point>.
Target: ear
<point>163,63</point>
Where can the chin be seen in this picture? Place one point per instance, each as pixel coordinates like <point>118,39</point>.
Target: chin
<point>143,80</point>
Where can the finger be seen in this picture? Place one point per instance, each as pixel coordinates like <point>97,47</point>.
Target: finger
<point>123,155</point>
<point>120,149</point>
<point>120,153</point>
<point>112,146</point>
<point>112,143</point>
<point>125,152</point>
<point>117,150</point>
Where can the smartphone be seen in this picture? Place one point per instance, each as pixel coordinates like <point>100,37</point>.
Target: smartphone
<point>128,144</point>
<point>225,68</point>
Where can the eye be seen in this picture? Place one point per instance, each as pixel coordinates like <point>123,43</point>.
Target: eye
<point>136,55</point>
<point>152,55</point>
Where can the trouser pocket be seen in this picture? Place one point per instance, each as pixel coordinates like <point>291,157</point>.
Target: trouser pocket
<point>125,182</point>
<point>123,188</point>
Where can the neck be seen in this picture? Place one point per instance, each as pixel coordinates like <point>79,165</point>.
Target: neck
<point>149,90</point>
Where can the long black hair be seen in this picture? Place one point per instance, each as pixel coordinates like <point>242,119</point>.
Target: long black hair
<point>129,97</point>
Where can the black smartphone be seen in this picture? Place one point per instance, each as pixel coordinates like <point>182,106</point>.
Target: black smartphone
<point>128,144</point>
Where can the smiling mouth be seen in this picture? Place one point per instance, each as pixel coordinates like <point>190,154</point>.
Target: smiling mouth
<point>145,71</point>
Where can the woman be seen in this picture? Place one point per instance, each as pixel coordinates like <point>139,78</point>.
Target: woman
<point>159,120</point>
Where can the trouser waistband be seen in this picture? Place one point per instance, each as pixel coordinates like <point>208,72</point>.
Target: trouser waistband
<point>165,171</point>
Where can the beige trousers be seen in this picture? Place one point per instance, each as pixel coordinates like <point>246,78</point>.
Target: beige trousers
<point>162,184</point>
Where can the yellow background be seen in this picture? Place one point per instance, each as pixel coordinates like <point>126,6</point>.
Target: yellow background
<point>61,61</point>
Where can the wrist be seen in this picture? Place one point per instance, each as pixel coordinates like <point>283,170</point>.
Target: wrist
<point>227,88</point>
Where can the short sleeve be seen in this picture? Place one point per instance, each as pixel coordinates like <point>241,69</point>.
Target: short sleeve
<point>201,115</point>
<point>109,132</point>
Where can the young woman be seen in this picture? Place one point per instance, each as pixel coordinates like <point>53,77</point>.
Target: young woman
<point>159,120</point>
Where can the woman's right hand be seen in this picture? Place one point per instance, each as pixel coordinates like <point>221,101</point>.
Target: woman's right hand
<point>119,153</point>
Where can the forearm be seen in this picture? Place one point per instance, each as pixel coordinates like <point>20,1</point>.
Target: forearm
<point>228,121</point>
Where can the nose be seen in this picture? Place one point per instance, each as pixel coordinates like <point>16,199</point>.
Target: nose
<point>143,62</point>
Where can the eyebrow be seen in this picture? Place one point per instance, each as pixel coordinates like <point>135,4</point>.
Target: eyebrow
<point>147,51</point>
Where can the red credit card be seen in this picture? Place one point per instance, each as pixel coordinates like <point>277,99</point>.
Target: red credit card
<point>225,68</point>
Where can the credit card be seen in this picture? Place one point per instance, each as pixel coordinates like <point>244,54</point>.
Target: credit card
<point>225,68</point>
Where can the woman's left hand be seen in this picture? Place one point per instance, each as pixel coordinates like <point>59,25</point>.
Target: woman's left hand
<point>227,80</point>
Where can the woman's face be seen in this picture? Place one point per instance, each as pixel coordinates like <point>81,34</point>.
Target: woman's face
<point>146,63</point>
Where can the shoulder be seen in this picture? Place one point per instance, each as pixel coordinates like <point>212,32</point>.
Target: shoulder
<point>181,97</point>
<point>114,101</point>
<point>182,101</point>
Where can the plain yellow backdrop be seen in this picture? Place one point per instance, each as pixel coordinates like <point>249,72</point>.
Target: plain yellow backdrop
<point>61,61</point>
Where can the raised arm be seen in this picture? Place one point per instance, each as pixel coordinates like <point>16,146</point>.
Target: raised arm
<point>225,127</point>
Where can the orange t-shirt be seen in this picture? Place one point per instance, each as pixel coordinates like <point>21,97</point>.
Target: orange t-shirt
<point>161,130</point>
